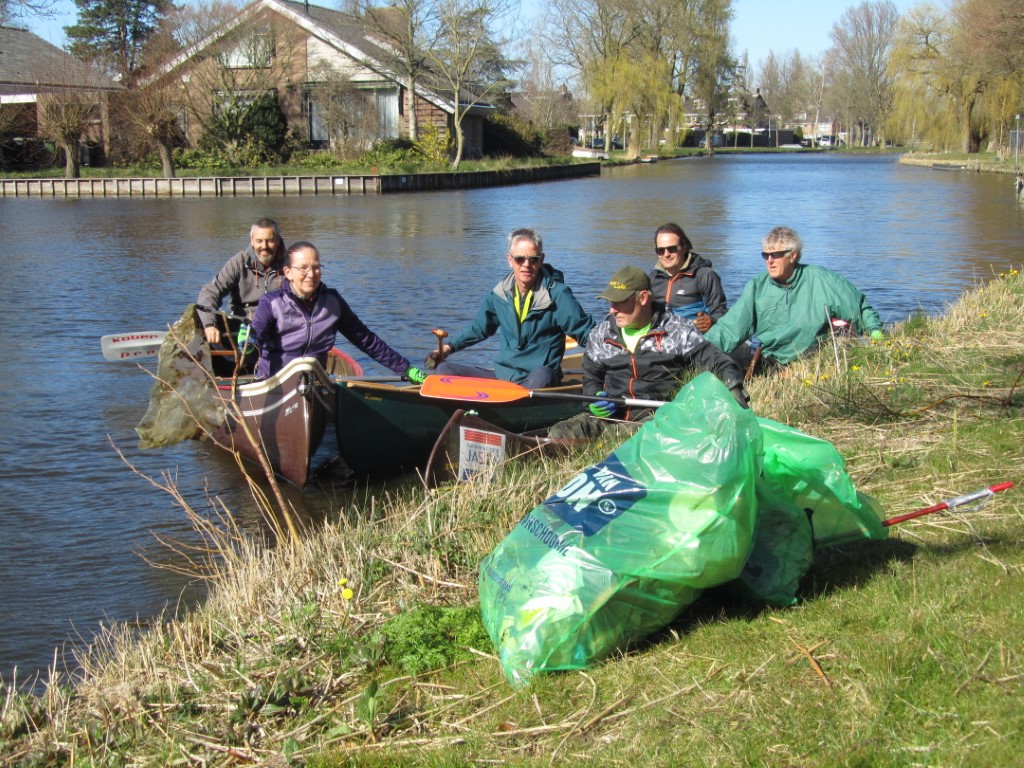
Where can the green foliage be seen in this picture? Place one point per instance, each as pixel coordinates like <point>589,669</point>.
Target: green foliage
<point>557,141</point>
<point>432,637</point>
<point>368,705</point>
<point>392,155</point>
<point>114,33</point>
<point>510,135</point>
<point>434,144</point>
<point>209,156</point>
<point>314,159</point>
<point>915,324</point>
<point>258,127</point>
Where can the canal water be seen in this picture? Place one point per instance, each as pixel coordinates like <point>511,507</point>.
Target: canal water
<point>79,528</point>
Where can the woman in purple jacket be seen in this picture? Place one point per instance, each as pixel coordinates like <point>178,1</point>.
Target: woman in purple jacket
<point>303,317</point>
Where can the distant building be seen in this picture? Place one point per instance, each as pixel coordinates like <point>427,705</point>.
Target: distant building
<point>33,73</point>
<point>284,48</point>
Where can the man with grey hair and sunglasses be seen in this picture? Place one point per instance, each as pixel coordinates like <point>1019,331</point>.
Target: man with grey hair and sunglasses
<point>787,308</point>
<point>532,310</point>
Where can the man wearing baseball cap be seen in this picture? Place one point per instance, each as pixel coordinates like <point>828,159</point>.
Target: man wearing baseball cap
<point>641,351</point>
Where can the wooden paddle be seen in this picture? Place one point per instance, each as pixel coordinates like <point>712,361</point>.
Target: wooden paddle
<point>470,389</point>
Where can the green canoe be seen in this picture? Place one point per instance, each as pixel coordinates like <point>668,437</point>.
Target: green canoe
<point>382,426</point>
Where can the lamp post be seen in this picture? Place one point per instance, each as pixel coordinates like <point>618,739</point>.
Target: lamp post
<point>1016,146</point>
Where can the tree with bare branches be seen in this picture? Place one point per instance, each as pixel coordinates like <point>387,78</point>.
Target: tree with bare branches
<point>65,116</point>
<point>16,10</point>
<point>862,46</point>
<point>346,113</point>
<point>465,57</point>
<point>405,26</point>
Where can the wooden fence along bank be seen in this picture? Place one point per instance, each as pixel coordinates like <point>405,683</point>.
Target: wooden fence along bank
<point>266,186</point>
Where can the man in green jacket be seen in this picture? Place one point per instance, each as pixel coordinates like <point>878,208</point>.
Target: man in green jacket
<point>532,310</point>
<point>789,306</point>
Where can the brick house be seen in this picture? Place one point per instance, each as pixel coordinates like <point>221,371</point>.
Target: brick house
<point>285,48</point>
<point>34,73</point>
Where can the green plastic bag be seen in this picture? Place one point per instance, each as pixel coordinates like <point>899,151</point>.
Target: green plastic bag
<point>618,552</point>
<point>704,494</point>
<point>806,501</point>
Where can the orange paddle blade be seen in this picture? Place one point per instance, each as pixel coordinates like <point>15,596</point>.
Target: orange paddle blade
<point>472,389</point>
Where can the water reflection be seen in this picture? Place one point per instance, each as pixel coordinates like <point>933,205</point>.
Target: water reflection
<point>75,518</point>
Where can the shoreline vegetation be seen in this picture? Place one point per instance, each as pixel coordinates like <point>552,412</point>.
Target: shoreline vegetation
<point>361,643</point>
<point>986,162</point>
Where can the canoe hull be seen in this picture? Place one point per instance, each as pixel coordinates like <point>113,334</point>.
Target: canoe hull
<point>469,446</point>
<point>283,418</point>
<point>381,427</point>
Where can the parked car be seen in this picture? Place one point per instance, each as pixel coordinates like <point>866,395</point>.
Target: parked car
<point>824,141</point>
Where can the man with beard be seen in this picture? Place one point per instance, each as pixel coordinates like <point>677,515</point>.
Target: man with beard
<point>246,276</point>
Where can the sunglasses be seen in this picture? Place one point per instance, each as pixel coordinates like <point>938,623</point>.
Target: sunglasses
<point>668,249</point>
<point>774,254</point>
<point>519,260</point>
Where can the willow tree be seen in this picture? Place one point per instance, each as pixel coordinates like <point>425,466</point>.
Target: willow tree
<point>935,97</point>
<point>590,39</point>
<point>638,85</point>
<point>991,36</point>
<point>961,77</point>
<point>712,78</point>
<point>65,116</point>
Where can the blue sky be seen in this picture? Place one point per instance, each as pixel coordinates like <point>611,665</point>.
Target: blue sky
<point>759,25</point>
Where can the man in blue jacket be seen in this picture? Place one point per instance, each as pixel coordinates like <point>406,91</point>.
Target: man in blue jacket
<point>533,310</point>
<point>303,317</point>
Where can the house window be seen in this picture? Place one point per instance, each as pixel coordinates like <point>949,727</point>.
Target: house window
<point>371,116</point>
<point>255,51</point>
<point>319,137</point>
<point>387,101</point>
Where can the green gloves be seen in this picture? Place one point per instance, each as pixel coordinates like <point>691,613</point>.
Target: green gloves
<point>603,409</point>
<point>415,375</point>
<point>877,335</point>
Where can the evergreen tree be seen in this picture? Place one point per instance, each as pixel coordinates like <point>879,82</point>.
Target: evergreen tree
<point>113,33</point>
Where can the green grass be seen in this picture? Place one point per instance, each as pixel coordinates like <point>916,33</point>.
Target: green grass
<point>903,652</point>
<point>350,168</point>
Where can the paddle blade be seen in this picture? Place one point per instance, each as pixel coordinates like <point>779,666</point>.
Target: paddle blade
<point>131,346</point>
<point>470,389</point>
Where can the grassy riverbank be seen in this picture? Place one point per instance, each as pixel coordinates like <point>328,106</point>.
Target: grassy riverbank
<point>363,646</point>
<point>987,162</point>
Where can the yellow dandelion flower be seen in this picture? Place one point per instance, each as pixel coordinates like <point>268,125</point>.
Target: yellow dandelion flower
<point>807,382</point>
<point>347,593</point>
<point>854,367</point>
<point>342,581</point>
